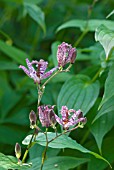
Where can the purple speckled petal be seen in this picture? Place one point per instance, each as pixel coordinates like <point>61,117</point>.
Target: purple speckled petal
<point>83,119</point>
<point>75,115</point>
<point>25,70</point>
<point>49,73</point>
<point>30,67</point>
<point>34,62</point>
<point>58,120</point>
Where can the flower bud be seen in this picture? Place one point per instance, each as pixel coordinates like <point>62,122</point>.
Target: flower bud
<point>52,118</point>
<point>72,60</point>
<point>46,115</point>
<point>33,118</point>
<point>18,150</point>
<point>65,54</point>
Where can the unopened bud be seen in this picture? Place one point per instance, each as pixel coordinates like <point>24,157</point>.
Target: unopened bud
<point>52,118</point>
<point>72,60</point>
<point>33,118</point>
<point>18,150</point>
<point>79,114</point>
<point>84,121</point>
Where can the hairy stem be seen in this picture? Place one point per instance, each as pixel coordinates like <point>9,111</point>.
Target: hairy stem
<point>27,149</point>
<point>43,86</point>
<point>33,135</point>
<point>64,132</point>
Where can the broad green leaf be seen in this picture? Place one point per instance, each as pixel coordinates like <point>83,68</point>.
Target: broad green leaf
<point>14,1</point>
<point>32,2</point>
<point>13,52</point>
<point>109,84</point>
<point>62,77</point>
<point>108,151</point>
<point>13,117</point>
<point>107,103</point>
<point>61,142</point>
<point>10,162</point>
<point>82,24</point>
<point>107,107</point>
<point>100,127</point>
<point>78,93</point>
<point>37,150</point>
<point>106,37</point>
<point>6,65</point>
<point>58,163</point>
<point>54,88</point>
<point>54,52</point>
<point>36,14</point>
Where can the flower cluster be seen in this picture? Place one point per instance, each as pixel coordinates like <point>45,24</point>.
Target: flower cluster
<point>65,54</point>
<point>70,119</point>
<point>49,118</point>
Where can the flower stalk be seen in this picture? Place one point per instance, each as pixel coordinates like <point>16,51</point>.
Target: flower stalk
<point>66,54</point>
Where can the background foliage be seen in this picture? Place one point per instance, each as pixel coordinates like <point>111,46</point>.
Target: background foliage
<point>33,29</point>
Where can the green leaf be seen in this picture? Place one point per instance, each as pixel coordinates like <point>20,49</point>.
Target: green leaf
<point>36,14</point>
<point>6,65</point>
<point>10,162</point>
<point>54,52</point>
<point>33,2</point>
<point>82,24</point>
<point>107,103</point>
<point>106,38</point>
<point>108,151</point>
<point>61,142</point>
<point>13,117</point>
<point>13,52</point>
<point>58,163</point>
<point>78,93</point>
<point>100,127</point>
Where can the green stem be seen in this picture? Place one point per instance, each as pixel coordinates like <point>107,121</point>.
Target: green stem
<point>43,86</point>
<point>64,132</point>
<point>81,37</point>
<point>85,137</point>
<point>33,135</point>
<point>44,153</point>
<point>86,25</point>
<point>27,149</point>
<point>96,75</point>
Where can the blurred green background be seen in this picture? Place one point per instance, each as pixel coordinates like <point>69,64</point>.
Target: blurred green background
<point>28,28</point>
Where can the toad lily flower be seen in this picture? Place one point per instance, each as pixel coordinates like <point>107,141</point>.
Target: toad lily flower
<point>38,74</point>
<point>47,116</point>
<point>65,54</point>
<point>66,122</point>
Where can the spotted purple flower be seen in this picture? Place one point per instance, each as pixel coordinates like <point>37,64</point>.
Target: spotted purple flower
<point>39,73</point>
<point>46,115</point>
<point>65,54</point>
<point>66,121</point>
